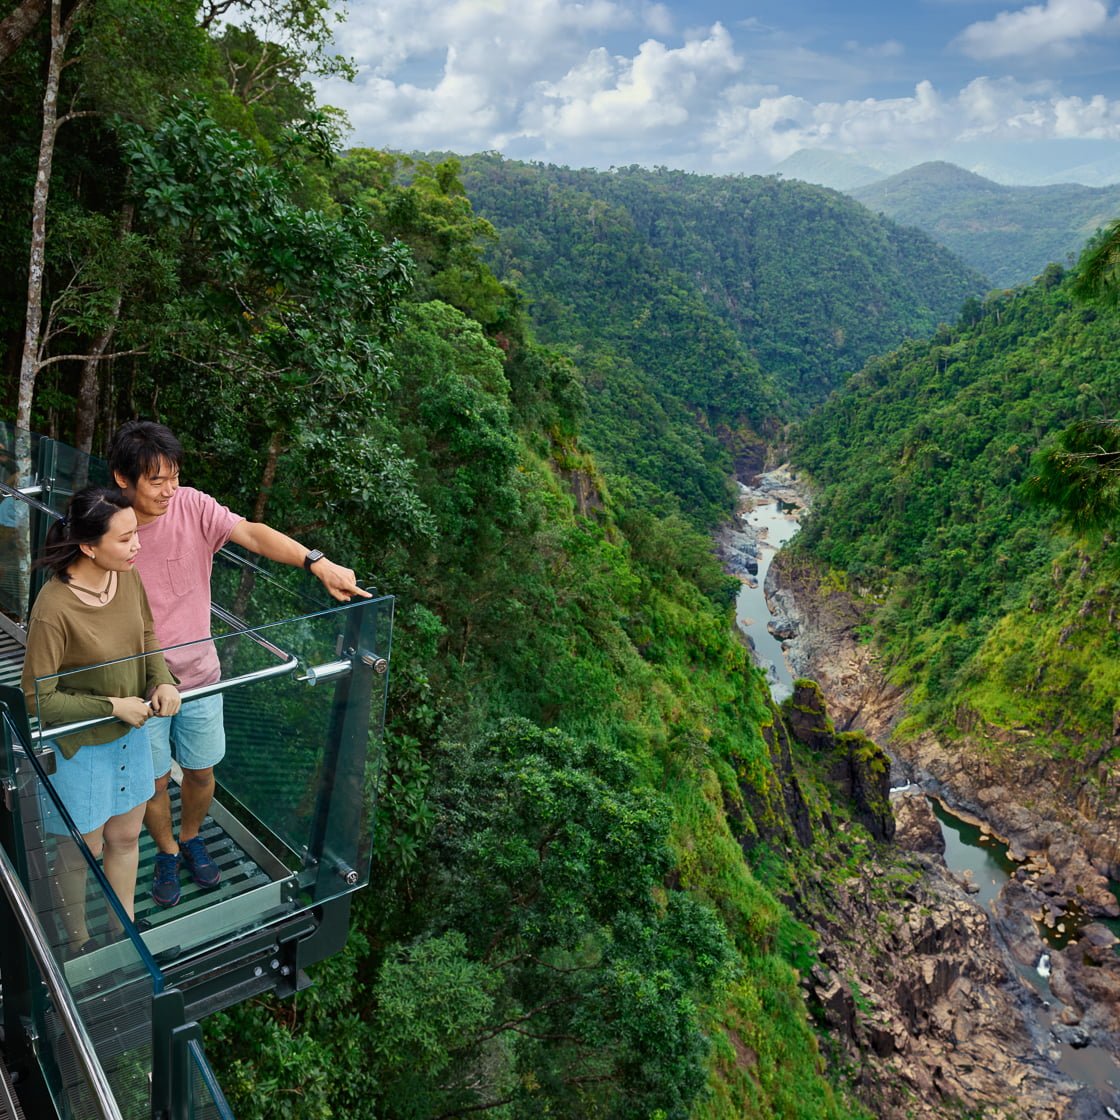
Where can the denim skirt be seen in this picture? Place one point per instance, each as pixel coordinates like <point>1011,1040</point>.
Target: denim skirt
<point>101,781</point>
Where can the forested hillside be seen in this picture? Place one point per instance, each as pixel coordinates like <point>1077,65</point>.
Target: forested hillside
<point>740,300</point>
<point>589,806</point>
<point>997,619</point>
<point>1009,234</point>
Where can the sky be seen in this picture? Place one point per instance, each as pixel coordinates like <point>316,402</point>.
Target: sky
<point>1019,90</point>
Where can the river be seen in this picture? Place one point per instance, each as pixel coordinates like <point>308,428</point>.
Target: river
<point>768,518</point>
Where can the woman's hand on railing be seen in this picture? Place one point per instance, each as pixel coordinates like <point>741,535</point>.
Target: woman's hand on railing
<point>165,700</point>
<point>132,710</point>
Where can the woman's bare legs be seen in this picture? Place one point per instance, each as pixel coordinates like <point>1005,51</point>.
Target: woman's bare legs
<point>122,854</point>
<point>117,843</point>
<point>70,886</point>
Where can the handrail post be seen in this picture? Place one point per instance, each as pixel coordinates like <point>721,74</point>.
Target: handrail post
<point>340,804</point>
<point>169,1015</point>
<point>173,1095</point>
<point>15,965</point>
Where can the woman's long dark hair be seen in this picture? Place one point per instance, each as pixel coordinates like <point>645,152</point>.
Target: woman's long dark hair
<point>86,522</point>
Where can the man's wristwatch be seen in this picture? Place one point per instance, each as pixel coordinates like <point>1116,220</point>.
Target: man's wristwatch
<point>311,557</point>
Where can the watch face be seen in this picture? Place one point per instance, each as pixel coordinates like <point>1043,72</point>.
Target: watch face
<point>311,557</point>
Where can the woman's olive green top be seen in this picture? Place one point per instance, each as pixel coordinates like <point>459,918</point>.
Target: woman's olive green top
<point>65,633</point>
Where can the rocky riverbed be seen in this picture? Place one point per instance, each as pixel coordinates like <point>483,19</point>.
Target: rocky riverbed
<point>981,1028</point>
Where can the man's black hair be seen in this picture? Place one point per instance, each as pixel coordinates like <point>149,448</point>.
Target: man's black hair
<point>140,446</point>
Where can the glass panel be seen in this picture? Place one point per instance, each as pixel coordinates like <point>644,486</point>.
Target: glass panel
<point>109,971</point>
<point>18,469</point>
<point>207,1100</point>
<point>47,473</point>
<point>301,702</point>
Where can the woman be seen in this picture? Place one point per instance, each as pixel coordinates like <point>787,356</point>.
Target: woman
<point>93,612</point>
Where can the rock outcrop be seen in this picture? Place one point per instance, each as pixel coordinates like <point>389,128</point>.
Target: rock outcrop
<point>855,766</point>
<point>925,1003</point>
<point>916,828</point>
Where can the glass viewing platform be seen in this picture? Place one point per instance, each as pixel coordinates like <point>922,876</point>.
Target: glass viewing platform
<point>114,1031</point>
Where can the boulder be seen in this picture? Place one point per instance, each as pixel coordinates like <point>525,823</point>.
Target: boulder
<point>916,829</point>
<point>782,628</point>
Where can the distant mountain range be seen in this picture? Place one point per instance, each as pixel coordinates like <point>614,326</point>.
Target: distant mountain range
<point>1092,163</point>
<point>1008,234</point>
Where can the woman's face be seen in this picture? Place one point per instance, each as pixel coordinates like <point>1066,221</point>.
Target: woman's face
<point>116,550</point>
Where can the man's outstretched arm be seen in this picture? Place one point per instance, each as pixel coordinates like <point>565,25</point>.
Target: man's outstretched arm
<point>265,541</point>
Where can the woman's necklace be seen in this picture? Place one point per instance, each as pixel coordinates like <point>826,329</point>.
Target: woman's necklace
<point>101,596</point>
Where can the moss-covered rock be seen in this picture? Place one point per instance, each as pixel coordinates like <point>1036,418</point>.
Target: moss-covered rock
<point>855,766</point>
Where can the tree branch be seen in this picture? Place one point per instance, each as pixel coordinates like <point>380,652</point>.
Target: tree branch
<point>90,357</point>
<point>511,1024</point>
<point>75,115</point>
<point>475,1108</point>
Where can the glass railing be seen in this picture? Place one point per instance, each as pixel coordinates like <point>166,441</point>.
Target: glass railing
<point>303,701</point>
<point>47,473</point>
<point>207,1102</point>
<point>105,974</point>
<point>303,686</point>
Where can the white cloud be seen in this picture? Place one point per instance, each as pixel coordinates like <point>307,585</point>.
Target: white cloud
<point>1008,110</point>
<point>603,82</point>
<point>755,128</point>
<point>776,127</point>
<point>1057,26</point>
<point>612,97</point>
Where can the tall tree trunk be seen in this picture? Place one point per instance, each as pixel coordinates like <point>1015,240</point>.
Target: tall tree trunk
<point>88,384</point>
<point>29,363</point>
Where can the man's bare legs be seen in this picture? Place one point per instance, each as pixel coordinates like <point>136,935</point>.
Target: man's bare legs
<point>195,795</point>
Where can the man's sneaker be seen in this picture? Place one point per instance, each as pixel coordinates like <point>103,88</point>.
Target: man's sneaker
<point>165,888</point>
<point>204,871</point>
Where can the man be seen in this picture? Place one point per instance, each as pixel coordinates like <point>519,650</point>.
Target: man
<point>180,530</point>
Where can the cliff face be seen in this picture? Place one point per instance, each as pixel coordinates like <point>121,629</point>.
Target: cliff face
<point>1067,816</point>
<point>917,982</point>
<point>856,768</point>
<point>917,1000</point>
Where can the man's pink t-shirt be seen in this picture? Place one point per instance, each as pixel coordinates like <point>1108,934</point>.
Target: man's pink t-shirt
<point>175,559</point>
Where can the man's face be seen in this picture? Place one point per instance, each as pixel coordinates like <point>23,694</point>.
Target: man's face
<point>152,494</point>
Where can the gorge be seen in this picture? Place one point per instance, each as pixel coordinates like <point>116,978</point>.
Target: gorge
<point>1016,982</point>
<point>614,875</point>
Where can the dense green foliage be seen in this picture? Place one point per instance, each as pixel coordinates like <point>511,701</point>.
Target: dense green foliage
<point>561,920</point>
<point>1009,234</point>
<point>923,461</point>
<point>806,285</point>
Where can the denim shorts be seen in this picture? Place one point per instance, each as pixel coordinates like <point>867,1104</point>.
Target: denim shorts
<point>198,733</point>
<point>102,780</point>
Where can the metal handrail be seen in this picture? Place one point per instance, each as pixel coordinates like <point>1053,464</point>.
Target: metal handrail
<point>326,672</point>
<point>64,1004</point>
<point>242,627</point>
<point>187,694</point>
<point>26,496</point>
